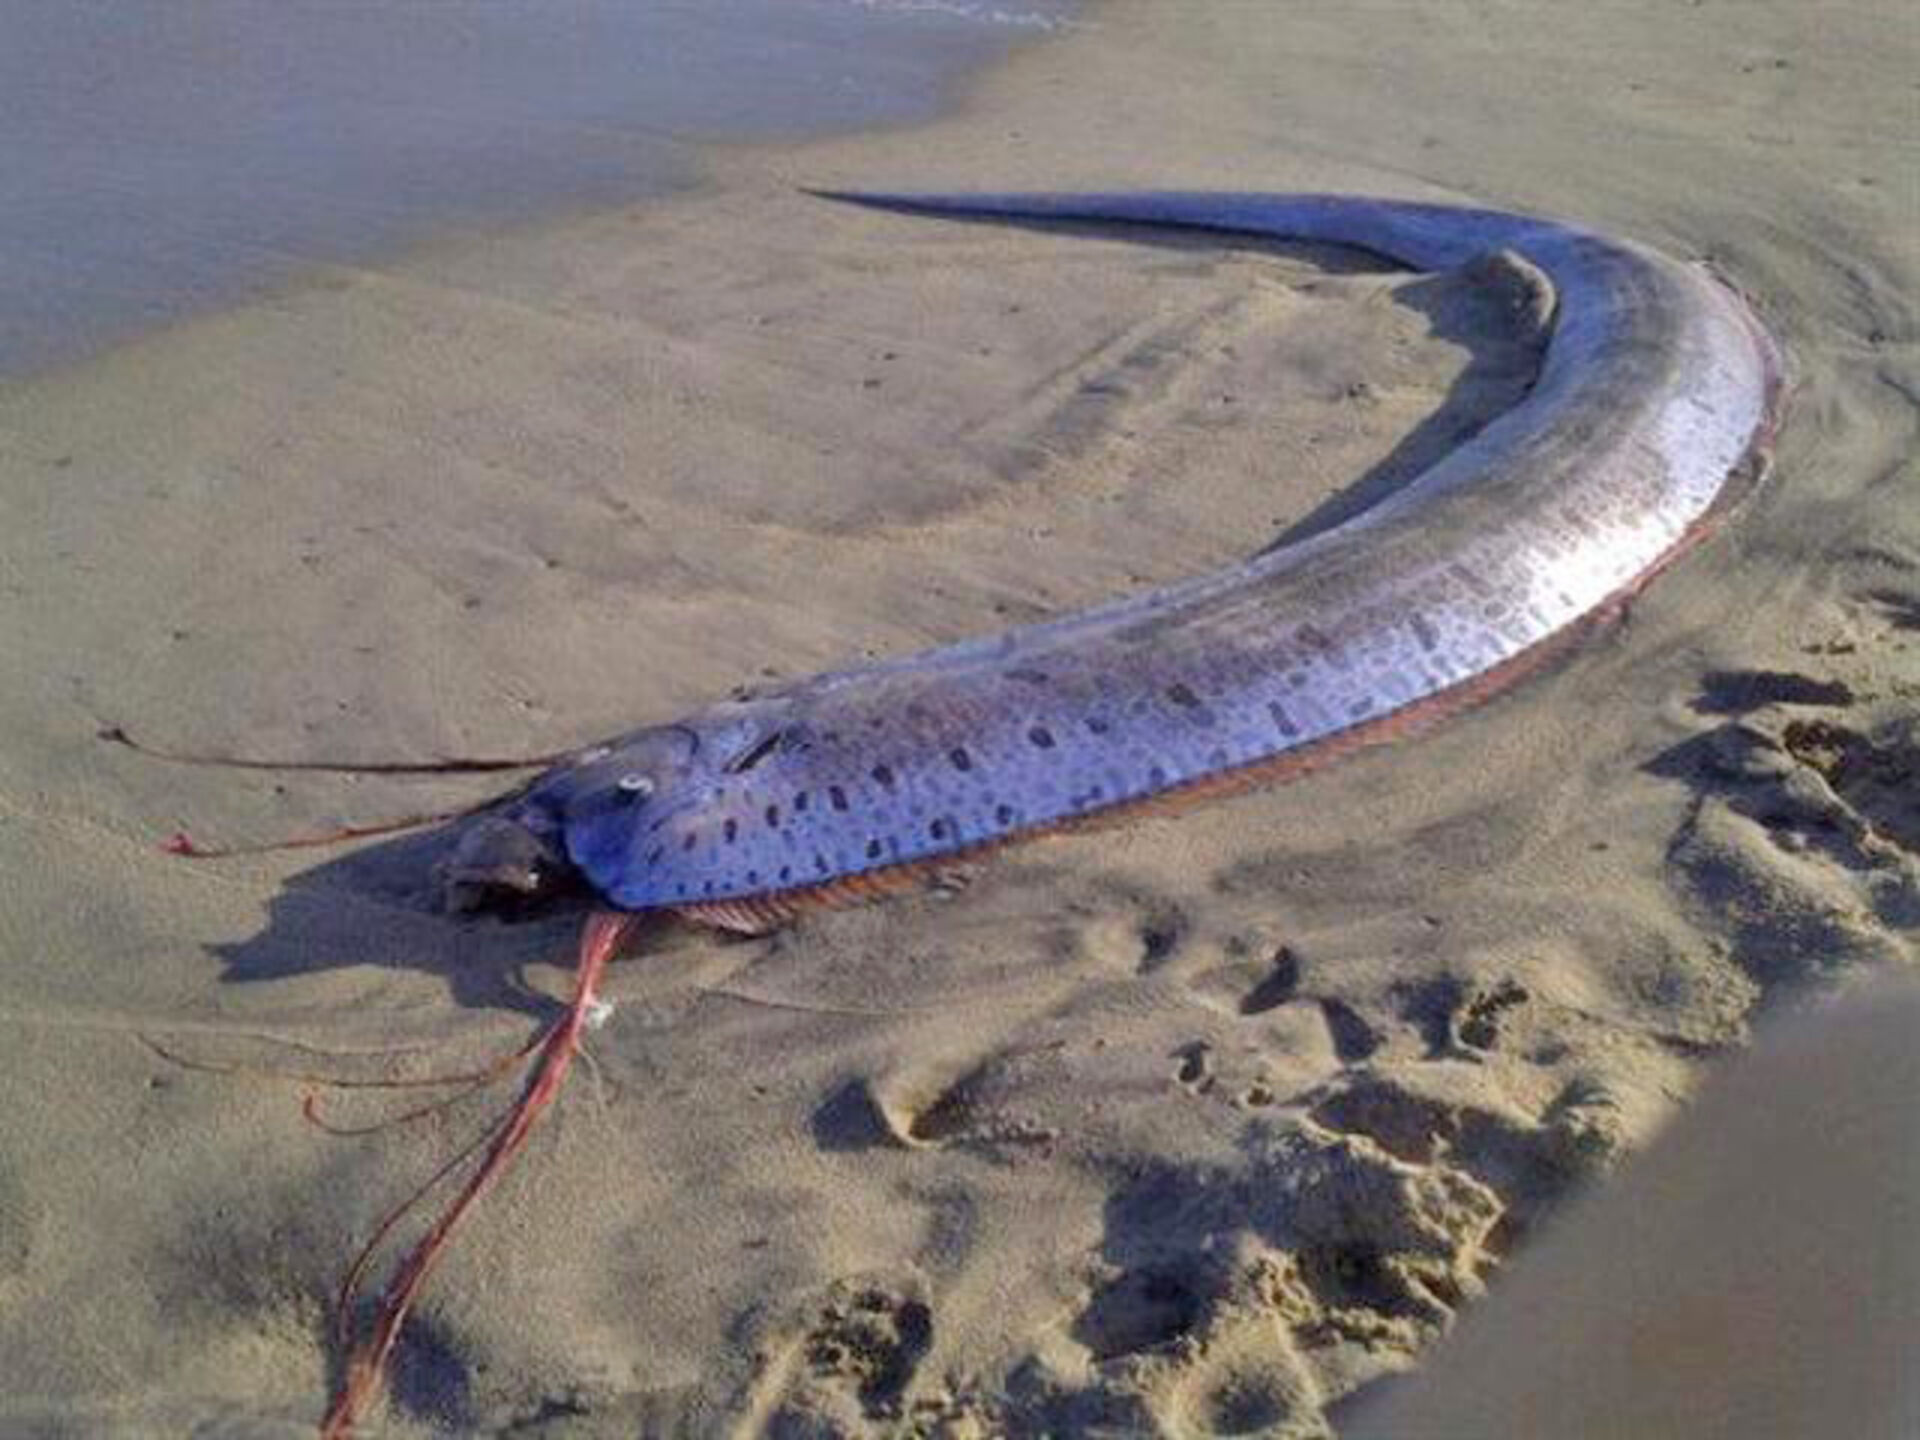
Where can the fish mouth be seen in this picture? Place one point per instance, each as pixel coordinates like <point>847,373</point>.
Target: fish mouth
<point>505,865</point>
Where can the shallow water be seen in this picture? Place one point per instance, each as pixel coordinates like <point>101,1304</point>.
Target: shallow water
<point>155,158</point>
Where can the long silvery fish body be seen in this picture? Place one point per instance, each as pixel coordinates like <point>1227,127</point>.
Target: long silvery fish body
<point>1657,388</point>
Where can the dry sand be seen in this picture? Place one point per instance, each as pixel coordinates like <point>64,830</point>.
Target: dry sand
<point>1200,1126</point>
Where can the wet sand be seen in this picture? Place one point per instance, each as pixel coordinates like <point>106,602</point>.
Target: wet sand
<point>157,162</point>
<point>1205,1125</point>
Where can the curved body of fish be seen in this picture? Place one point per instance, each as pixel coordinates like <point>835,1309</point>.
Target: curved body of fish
<point>1657,388</point>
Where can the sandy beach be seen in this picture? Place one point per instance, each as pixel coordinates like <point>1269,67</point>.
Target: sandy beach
<point>1212,1124</point>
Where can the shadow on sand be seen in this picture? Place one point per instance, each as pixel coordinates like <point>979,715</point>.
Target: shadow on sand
<point>379,905</point>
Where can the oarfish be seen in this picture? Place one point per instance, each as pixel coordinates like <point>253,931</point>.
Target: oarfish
<point>1658,389</point>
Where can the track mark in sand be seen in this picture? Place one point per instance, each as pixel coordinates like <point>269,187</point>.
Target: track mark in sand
<point>938,1108</point>
<point>868,1341</point>
<point>1234,1298</point>
<point>845,1365</point>
<point>1477,1023</point>
<point>972,1111</point>
<point>1388,1251</point>
<point>1248,1380</point>
<point>852,1118</point>
<point>1160,934</point>
<point>1247,989</point>
<point>1527,1164</point>
<point>1139,1310</point>
<point>1173,371</point>
<point>1354,1039</point>
<point>1898,609</point>
<point>1241,1078</point>
<point>1194,1073</point>
<point>1126,925</point>
<point>948,1116</point>
<point>1458,1020</point>
<point>1185,1344</point>
<point>1803,842</point>
<point>1878,778</point>
<point>1276,987</point>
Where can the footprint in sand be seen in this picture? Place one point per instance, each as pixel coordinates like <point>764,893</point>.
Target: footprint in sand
<point>867,1344</point>
<point>1803,842</point>
<point>936,1107</point>
<point>848,1363</point>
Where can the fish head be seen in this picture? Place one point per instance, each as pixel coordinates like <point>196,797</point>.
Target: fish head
<point>503,862</point>
<point>574,825</point>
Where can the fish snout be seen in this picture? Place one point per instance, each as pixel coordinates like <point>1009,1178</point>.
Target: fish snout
<point>501,864</point>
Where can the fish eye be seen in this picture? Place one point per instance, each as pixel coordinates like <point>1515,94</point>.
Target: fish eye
<point>635,786</point>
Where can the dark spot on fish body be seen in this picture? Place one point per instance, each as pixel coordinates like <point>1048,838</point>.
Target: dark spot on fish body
<point>873,849</point>
<point>1423,631</point>
<point>1003,814</point>
<point>1329,650</point>
<point>800,803</point>
<point>1098,725</point>
<point>1576,518</point>
<point>1027,676</point>
<point>731,830</point>
<point>837,797</point>
<point>1157,777</point>
<point>1191,705</point>
<point>1470,578</point>
<point>773,817</point>
<point>1041,737</point>
<point>1283,722</point>
<point>691,839</point>
<point>938,829</point>
<point>883,776</point>
<point>961,759</point>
